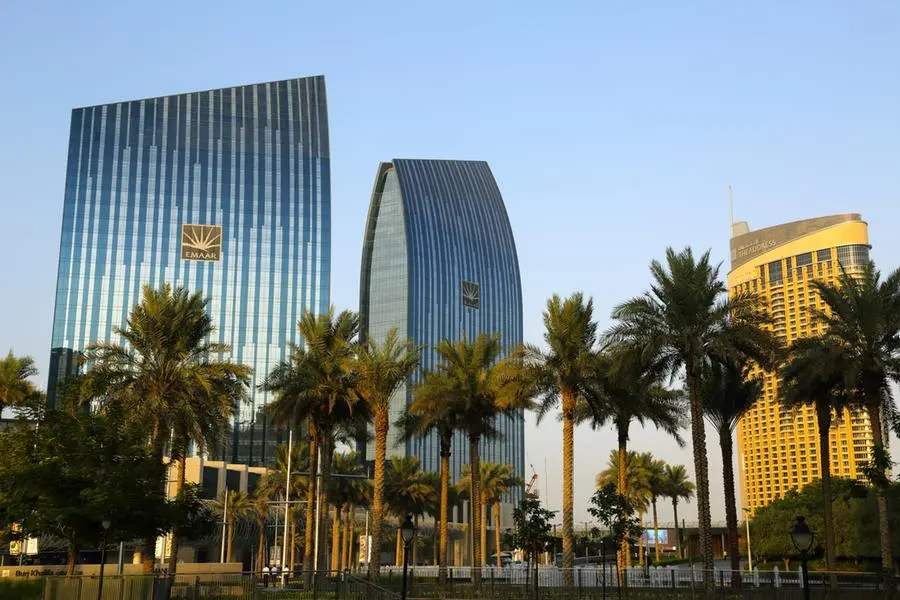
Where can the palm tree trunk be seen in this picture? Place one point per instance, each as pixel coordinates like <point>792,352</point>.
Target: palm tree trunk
<point>731,520</point>
<point>446,441</point>
<point>311,490</point>
<point>881,483</point>
<point>475,504</point>
<point>641,540</point>
<point>179,484</point>
<point>415,541</point>
<point>398,546</point>
<point>680,546</point>
<point>701,470</point>
<point>484,520</point>
<point>148,554</point>
<point>823,420</point>
<point>230,540</point>
<point>292,554</point>
<point>568,527</point>
<point>655,532</point>
<point>348,537</point>
<point>382,422</point>
<point>326,444</point>
<point>261,546</point>
<point>336,540</point>
<point>497,533</point>
<point>624,555</point>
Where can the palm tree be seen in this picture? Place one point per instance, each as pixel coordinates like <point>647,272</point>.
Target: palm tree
<point>165,377</point>
<point>656,470</point>
<point>480,387</point>
<point>15,389</point>
<point>496,480</point>
<point>431,413</point>
<point>677,486</point>
<point>314,387</point>
<point>259,516</point>
<point>728,392</point>
<point>862,328</point>
<point>561,376</point>
<point>381,369</point>
<point>627,390</point>
<point>272,484</point>
<point>681,322</point>
<point>346,491</point>
<point>812,375</point>
<point>408,491</point>
<point>632,482</point>
<point>231,507</point>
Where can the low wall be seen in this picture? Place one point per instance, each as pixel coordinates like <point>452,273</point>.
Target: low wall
<point>14,571</point>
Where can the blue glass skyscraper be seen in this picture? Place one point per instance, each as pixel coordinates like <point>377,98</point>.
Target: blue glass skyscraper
<point>439,261</point>
<point>225,191</point>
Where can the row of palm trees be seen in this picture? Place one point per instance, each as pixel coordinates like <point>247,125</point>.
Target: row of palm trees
<point>648,480</point>
<point>169,377</point>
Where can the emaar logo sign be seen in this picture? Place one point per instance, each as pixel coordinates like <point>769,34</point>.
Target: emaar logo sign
<point>201,242</point>
<point>471,294</point>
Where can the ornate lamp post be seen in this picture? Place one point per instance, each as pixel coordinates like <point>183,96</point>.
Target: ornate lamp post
<point>407,532</point>
<point>105,523</point>
<point>802,538</point>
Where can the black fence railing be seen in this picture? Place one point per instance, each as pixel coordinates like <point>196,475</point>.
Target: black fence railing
<point>546,583</point>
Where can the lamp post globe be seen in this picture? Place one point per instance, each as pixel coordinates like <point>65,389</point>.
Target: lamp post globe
<point>407,533</point>
<point>802,538</point>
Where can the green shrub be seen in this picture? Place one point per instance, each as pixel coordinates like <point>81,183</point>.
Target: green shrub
<point>21,589</point>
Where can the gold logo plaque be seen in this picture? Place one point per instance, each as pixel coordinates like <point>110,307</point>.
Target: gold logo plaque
<point>201,242</point>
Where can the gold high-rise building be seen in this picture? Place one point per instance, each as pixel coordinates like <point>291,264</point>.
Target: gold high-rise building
<point>778,449</point>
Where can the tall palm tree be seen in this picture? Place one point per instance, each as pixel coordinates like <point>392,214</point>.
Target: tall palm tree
<point>272,484</point>
<point>479,387</point>
<point>344,492</point>
<point>561,376</point>
<point>683,320</point>
<point>496,481</point>
<point>231,507</point>
<point>259,515</point>
<point>812,375</point>
<point>381,369</point>
<point>166,375</point>
<point>632,482</point>
<point>15,389</point>
<point>862,326</point>
<point>626,389</point>
<point>432,414</point>
<point>408,491</point>
<point>313,388</point>
<point>677,487</point>
<point>656,470</point>
<point>728,392</point>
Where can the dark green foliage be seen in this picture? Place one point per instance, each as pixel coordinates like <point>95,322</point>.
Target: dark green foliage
<point>855,521</point>
<point>64,475</point>
<point>617,515</point>
<point>532,533</point>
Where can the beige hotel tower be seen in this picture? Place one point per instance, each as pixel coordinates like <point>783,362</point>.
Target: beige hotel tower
<point>778,449</point>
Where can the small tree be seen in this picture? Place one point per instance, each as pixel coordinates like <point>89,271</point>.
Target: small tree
<point>532,534</point>
<point>617,515</point>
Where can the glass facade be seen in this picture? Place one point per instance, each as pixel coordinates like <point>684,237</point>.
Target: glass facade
<point>225,191</point>
<point>439,261</point>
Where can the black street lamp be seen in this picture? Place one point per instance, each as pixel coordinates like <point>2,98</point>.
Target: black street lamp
<point>105,523</point>
<point>802,538</point>
<point>407,532</point>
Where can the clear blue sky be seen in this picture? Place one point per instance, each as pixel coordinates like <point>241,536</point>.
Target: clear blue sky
<point>613,129</point>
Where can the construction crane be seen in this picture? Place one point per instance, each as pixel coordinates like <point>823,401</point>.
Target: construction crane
<point>531,481</point>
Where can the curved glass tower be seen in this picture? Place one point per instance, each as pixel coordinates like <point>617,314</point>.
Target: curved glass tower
<point>439,261</point>
<point>226,192</point>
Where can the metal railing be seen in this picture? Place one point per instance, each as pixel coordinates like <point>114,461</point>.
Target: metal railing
<point>591,582</point>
